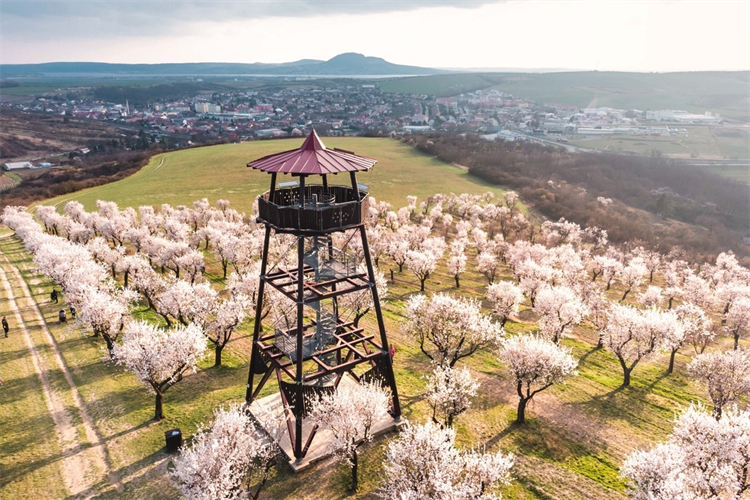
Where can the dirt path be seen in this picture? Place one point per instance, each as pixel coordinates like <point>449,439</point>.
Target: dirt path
<point>85,463</point>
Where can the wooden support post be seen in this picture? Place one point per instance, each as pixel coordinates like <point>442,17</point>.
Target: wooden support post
<point>272,192</point>
<point>381,324</point>
<point>355,187</point>
<point>255,351</point>
<point>299,404</point>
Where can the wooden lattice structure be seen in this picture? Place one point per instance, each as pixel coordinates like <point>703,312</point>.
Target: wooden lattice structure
<point>310,354</point>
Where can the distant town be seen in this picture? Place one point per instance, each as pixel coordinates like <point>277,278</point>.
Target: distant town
<point>349,110</point>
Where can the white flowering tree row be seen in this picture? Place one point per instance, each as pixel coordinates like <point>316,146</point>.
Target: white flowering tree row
<point>562,270</point>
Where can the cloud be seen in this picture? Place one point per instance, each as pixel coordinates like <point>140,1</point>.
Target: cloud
<point>27,20</point>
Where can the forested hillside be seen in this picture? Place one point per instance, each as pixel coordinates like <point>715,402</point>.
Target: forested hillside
<point>653,200</point>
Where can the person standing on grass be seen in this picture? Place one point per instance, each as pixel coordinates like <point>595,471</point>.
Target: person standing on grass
<point>53,296</point>
<point>73,312</point>
<point>5,326</point>
<point>61,316</point>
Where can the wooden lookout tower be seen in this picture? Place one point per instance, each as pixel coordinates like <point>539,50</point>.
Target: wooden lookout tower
<point>313,348</point>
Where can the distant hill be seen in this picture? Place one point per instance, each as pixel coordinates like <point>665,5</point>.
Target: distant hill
<point>349,64</point>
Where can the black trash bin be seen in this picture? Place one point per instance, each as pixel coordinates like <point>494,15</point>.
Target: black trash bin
<point>174,440</point>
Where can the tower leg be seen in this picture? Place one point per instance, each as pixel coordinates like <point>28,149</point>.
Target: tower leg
<point>381,324</point>
<point>255,351</point>
<point>299,404</point>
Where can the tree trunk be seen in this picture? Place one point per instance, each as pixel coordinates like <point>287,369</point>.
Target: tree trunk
<point>736,339</point>
<point>717,412</point>
<point>625,294</point>
<point>158,414</point>
<point>166,318</point>
<point>355,482</point>
<point>127,273</point>
<point>458,285</point>
<point>110,346</point>
<point>671,361</point>
<point>217,358</point>
<point>421,288</point>
<point>358,317</point>
<point>521,418</point>
<point>626,377</point>
<point>224,268</point>
<point>391,275</point>
<point>400,268</point>
<point>670,302</point>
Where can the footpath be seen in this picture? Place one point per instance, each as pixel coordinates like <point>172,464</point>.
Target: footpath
<point>84,459</point>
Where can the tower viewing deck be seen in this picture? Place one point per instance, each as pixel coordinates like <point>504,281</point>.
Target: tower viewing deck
<point>323,209</point>
<point>312,209</point>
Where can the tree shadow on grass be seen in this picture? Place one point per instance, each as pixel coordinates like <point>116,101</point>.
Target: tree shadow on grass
<point>494,440</point>
<point>104,487</point>
<point>587,354</point>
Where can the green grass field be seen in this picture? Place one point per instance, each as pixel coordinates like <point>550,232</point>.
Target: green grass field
<point>216,172</point>
<point>576,437</point>
<point>700,141</point>
<point>577,434</point>
<point>723,92</point>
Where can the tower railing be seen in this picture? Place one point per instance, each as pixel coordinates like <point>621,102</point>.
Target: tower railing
<point>333,208</point>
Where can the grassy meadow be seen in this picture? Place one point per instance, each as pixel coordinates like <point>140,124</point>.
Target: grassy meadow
<point>575,439</point>
<point>699,141</point>
<point>216,172</point>
<point>576,436</point>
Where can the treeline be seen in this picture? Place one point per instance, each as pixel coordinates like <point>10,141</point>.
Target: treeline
<point>63,181</point>
<point>715,210</point>
<point>143,95</point>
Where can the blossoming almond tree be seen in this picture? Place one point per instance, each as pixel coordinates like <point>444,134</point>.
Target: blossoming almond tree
<point>159,357</point>
<point>226,458</point>
<point>106,312</point>
<point>449,393</point>
<point>350,413</point>
<point>536,364</point>
<point>699,329</point>
<point>457,259</point>
<point>360,302</point>
<point>631,275</point>
<point>559,307</point>
<point>449,328</point>
<point>632,335</point>
<point>725,374</point>
<point>228,315</point>
<point>487,264</point>
<point>704,458</point>
<point>422,463</point>
<point>673,335</point>
<point>506,297</point>
<point>737,318</point>
<point>186,302</point>
<point>422,264</point>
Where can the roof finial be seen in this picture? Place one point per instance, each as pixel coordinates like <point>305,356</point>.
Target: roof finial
<point>313,142</point>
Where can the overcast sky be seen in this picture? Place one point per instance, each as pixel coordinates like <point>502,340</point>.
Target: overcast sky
<point>646,35</point>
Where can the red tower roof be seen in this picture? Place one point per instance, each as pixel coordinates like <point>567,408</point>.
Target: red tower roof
<point>313,158</point>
